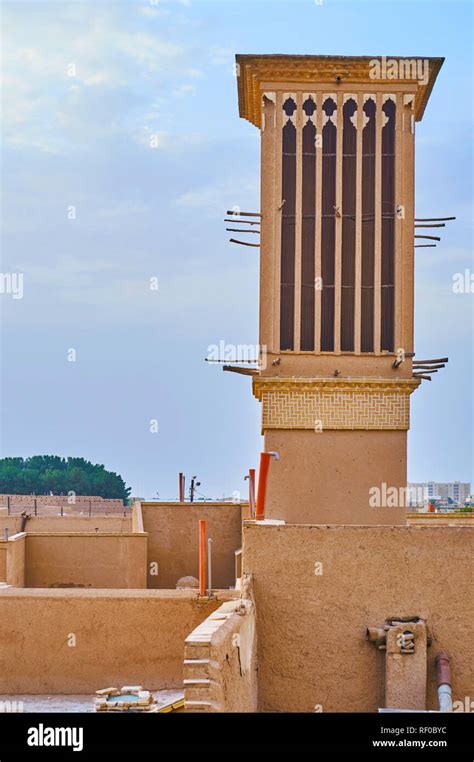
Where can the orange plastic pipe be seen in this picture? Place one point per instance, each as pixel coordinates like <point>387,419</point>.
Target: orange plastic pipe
<point>202,558</point>
<point>265,458</point>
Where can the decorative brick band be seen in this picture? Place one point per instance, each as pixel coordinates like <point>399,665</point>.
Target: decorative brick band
<point>335,403</point>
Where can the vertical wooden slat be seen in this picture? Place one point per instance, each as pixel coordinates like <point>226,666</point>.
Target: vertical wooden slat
<point>358,241</point>
<point>298,221</point>
<point>287,289</point>
<point>367,271</point>
<point>277,212</point>
<point>317,253</point>
<point>399,195</point>
<point>405,161</point>
<point>308,223</point>
<point>338,220</point>
<point>378,224</point>
<point>389,110</point>
<point>328,226</point>
<point>269,253</point>
<point>348,209</point>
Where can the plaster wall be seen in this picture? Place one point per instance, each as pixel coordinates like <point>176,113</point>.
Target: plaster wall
<point>121,637</point>
<point>12,560</point>
<point>173,540</point>
<point>438,519</point>
<point>51,504</point>
<point>325,478</point>
<point>66,523</point>
<point>86,560</point>
<point>312,620</point>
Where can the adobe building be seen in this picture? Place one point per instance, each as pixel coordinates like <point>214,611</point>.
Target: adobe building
<point>351,612</point>
<point>336,278</point>
<point>327,604</point>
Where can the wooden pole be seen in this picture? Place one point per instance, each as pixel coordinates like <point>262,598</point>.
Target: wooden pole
<point>433,219</point>
<point>240,230</point>
<point>242,222</point>
<point>431,362</point>
<point>244,243</point>
<point>242,371</point>
<point>243,214</point>
<point>428,367</point>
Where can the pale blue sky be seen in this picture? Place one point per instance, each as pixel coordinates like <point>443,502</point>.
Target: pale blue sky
<point>166,69</point>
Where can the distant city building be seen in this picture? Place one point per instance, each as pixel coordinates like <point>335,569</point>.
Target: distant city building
<point>421,492</point>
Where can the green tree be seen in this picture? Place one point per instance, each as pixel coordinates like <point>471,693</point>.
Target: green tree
<point>45,474</point>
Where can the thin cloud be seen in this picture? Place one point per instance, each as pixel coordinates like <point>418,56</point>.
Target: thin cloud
<point>53,65</point>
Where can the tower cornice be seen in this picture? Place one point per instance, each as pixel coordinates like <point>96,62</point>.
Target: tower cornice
<point>262,384</point>
<point>337,71</point>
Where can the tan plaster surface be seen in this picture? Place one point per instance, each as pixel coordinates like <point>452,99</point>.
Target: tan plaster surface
<point>121,637</point>
<point>312,628</point>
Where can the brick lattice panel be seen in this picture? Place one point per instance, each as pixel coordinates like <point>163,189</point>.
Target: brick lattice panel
<point>335,404</point>
<point>335,410</point>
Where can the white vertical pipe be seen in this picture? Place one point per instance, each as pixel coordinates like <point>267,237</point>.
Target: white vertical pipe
<point>252,499</point>
<point>209,567</point>
<point>445,698</point>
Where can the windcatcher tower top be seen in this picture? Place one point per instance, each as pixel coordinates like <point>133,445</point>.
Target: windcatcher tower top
<point>254,71</point>
<point>336,275</point>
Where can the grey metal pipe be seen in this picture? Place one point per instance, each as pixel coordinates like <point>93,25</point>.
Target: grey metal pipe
<point>209,567</point>
<point>251,496</point>
<point>445,698</point>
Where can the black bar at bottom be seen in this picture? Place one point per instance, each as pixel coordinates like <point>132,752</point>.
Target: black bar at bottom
<point>121,736</point>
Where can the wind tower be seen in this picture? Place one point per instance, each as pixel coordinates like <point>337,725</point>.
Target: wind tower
<point>336,276</point>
